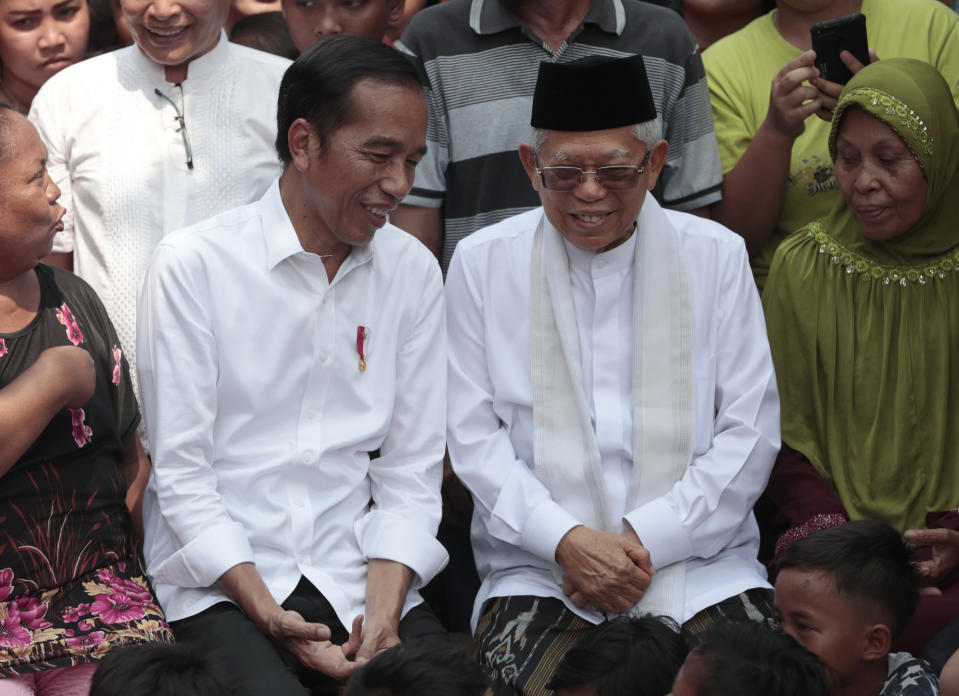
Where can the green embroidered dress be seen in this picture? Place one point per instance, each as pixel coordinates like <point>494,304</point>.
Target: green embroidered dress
<point>865,334</point>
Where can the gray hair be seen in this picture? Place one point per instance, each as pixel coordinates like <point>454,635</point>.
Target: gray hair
<point>647,132</point>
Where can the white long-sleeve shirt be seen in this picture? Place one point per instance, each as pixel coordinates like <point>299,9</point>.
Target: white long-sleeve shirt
<point>706,519</point>
<point>114,149</point>
<point>262,423</point>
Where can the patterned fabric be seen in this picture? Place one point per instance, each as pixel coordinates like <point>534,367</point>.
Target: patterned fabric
<point>71,583</point>
<point>909,676</point>
<point>756,605</point>
<point>521,640</point>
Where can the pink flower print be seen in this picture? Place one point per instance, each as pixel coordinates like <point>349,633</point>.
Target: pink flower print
<point>12,634</point>
<point>133,590</point>
<point>116,364</point>
<point>6,583</point>
<point>3,348</point>
<point>65,317</point>
<point>74,614</point>
<point>86,640</point>
<point>82,433</point>
<point>31,612</point>
<point>117,607</point>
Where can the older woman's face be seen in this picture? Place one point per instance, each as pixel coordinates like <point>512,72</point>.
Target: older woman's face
<point>880,179</point>
<point>39,38</point>
<point>29,213</point>
<point>174,32</point>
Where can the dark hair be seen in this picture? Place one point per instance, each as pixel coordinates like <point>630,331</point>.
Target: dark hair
<point>747,658</point>
<point>867,559</point>
<point>265,31</point>
<point>428,666</point>
<point>5,111</point>
<point>159,669</point>
<point>638,657</point>
<point>317,86</point>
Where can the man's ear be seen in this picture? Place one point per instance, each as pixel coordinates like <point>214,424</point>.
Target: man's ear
<point>878,642</point>
<point>528,158</point>
<point>302,140</point>
<point>394,10</point>
<point>657,160</point>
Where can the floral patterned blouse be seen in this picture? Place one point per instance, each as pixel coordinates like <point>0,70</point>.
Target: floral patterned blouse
<point>71,579</point>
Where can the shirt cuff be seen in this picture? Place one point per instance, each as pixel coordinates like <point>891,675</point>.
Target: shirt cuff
<point>382,534</point>
<point>662,533</point>
<point>545,527</point>
<point>202,561</point>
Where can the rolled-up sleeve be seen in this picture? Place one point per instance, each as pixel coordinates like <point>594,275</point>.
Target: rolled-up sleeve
<point>177,369</point>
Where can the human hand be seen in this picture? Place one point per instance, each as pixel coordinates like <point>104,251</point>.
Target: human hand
<point>829,91</point>
<point>70,371</point>
<point>944,545</point>
<point>376,637</point>
<point>310,643</point>
<point>791,100</point>
<point>608,571</point>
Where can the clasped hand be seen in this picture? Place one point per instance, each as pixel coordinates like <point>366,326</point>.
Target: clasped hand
<point>311,644</point>
<point>609,571</point>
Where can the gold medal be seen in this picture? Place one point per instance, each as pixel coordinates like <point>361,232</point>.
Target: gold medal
<point>362,365</point>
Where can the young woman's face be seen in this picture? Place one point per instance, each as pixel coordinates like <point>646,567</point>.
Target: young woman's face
<point>39,38</point>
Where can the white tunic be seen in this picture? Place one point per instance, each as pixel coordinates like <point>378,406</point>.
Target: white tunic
<point>262,422</point>
<point>706,519</point>
<point>115,152</point>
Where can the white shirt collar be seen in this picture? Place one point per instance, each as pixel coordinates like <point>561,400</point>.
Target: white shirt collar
<point>199,69</point>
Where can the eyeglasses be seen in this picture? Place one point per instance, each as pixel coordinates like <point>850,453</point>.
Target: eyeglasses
<point>181,121</point>
<point>614,178</point>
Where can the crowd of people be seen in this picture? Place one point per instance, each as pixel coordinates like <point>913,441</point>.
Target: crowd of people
<point>607,337</point>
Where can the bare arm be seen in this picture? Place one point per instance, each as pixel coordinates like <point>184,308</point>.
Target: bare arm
<point>310,642</point>
<point>753,190</point>
<point>387,583</point>
<point>426,224</point>
<point>136,470</point>
<point>61,377</point>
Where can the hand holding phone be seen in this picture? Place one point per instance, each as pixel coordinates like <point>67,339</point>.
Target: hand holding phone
<point>831,38</point>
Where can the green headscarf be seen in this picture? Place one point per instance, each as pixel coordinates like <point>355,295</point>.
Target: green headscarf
<point>865,334</point>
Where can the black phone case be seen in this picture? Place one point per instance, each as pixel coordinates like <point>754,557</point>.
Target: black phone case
<point>833,36</point>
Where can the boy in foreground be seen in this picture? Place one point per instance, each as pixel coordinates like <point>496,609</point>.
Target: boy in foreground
<point>845,594</point>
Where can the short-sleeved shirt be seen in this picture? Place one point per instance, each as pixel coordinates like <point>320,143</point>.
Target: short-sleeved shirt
<point>909,676</point>
<point>741,68</point>
<point>71,583</point>
<point>482,65</point>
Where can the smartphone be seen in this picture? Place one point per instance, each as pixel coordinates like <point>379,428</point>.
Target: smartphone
<point>833,36</point>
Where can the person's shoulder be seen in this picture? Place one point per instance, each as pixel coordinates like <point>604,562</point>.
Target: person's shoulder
<point>700,231</point>
<point>257,59</point>
<point>907,10</point>
<point>741,43</point>
<point>397,246</point>
<point>437,29</point>
<point>80,77</point>
<point>226,233</point>
<point>503,234</point>
<point>909,676</point>
<point>654,31</point>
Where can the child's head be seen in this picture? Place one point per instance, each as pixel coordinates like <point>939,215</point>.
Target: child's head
<point>427,666</point>
<point>845,593</point>
<point>159,669</point>
<point>639,657</point>
<point>312,20</point>
<point>744,658</point>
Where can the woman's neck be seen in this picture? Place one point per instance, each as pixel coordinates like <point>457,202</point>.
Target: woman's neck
<point>18,94</point>
<point>19,301</point>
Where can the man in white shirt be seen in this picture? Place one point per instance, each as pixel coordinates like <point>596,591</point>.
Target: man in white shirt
<point>282,343</point>
<point>612,402</point>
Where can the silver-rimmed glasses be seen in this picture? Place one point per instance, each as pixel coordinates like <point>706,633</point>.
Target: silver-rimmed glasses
<point>613,178</point>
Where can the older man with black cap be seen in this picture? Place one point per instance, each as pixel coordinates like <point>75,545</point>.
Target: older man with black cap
<point>612,404</point>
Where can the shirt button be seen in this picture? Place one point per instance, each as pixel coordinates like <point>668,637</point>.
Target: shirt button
<point>308,456</point>
<point>310,413</point>
<point>324,357</point>
<point>299,502</point>
<point>601,265</point>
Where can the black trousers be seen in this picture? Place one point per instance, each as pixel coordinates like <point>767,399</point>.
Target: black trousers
<point>260,667</point>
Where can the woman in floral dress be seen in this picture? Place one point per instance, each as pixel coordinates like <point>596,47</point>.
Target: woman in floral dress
<point>71,469</point>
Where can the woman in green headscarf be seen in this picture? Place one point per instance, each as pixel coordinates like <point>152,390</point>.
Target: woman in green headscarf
<point>862,309</point>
